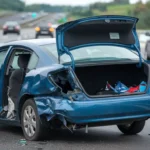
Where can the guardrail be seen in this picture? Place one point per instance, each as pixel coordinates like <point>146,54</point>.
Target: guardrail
<point>24,23</point>
<point>27,23</point>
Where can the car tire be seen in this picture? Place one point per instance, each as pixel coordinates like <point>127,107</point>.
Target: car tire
<point>36,36</point>
<point>32,126</point>
<point>4,33</point>
<point>18,33</point>
<point>133,128</point>
<point>52,36</point>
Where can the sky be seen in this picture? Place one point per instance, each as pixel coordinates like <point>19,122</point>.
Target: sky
<point>70,2</point>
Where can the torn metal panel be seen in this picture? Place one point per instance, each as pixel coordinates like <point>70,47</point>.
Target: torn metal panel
<point>44,106</point>
<point>37,82</point>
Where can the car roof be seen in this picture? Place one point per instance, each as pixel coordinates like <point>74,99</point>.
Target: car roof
<point>34,44</point>
<point>11,22</point>
<point>37,42</point>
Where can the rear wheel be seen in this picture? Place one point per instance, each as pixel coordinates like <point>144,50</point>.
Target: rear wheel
<point>133,128</point>
<point>32,127</point>
<point>4,33</point>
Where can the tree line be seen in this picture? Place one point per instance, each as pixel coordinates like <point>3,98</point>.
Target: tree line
<point>19,5</point>
<point>16,5</point>
<point>140,10</point>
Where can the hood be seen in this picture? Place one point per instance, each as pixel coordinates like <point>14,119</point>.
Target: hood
<point>100,30</point>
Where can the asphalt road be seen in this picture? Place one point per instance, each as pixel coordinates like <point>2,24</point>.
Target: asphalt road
<point>15,17</point>
<point>28,33</point>
<point>100,138</point>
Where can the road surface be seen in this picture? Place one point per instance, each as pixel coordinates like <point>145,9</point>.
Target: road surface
<point>29,33</point>
<point>100,138</point>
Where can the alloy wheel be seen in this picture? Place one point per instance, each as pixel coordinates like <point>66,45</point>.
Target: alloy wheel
<point>29,121</point>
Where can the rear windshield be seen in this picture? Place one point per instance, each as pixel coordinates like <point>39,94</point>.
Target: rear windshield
<point>93,53</point>
<point>11,23</point>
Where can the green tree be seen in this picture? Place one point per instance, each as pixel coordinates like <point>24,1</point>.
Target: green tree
<point>99,6</point>
<point>16,5</point>
<point>121,1</point>
<point>142,11</point>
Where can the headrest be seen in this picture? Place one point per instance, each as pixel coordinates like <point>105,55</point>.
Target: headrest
<point>23,60</point>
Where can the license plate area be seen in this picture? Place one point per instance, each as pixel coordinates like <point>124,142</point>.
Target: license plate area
<point>10,28</point>
<point>44,32</point>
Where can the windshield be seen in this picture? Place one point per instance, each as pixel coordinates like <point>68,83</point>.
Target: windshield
<point>92,53</point>
<point>11,23</point>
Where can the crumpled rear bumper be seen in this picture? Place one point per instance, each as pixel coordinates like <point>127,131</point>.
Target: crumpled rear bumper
<point>98,110</point>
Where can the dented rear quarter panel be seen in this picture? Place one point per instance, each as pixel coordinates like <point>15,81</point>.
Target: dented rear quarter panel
<point>37,82</point>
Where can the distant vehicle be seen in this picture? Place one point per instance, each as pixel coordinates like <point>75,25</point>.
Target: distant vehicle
<point>23,16</point>
<point>147,50</point>
<point>11,27</point>
<point>44,29</point>
<point>144,37</point>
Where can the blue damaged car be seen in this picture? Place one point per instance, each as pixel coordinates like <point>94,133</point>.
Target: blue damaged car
<point>92,75</point>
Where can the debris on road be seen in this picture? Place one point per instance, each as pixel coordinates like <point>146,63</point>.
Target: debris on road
<point>23,142</point>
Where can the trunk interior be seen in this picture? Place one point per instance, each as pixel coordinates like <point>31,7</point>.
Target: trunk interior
<point>94,78</point>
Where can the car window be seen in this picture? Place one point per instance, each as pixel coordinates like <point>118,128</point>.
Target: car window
<point>50,50</point>
<point>11,23</point>
<point>15,62</point>
<point>93,53</point>
<point>33,61</point>
<point>3,54</point>
<point>15,59</point>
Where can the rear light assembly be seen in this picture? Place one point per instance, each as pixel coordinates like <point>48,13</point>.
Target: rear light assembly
<point>17,27</point>
<point>51,29</point>
<point>37,29</point>
<point>5,27</point>
<point>49,24</point>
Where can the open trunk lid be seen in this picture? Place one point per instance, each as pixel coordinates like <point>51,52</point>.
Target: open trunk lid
<point>101,30</point>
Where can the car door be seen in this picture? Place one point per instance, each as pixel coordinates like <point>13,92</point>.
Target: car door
<point>3,54</point>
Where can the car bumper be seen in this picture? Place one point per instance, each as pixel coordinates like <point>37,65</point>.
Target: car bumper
<point>11,31</point>
<point>44,33</point>
<point>100,110</point>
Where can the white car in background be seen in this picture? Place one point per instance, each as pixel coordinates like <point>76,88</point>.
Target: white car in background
<point>143,38</point>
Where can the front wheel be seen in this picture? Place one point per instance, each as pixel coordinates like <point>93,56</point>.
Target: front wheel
<point>32,127</point>
<point>133,128</point>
